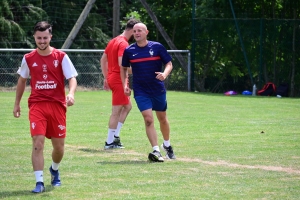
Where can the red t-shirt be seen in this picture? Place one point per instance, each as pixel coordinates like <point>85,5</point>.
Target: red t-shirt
<point>114,49</point>
<point>47,75</point>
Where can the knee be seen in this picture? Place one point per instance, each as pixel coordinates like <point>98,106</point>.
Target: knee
<point>59,149</point>
<point>128,107</point>
<point>164,121</point>
<point>148,121</point>
<point>38,146</point>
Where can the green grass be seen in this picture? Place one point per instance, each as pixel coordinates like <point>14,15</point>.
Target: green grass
<point>227,147</point>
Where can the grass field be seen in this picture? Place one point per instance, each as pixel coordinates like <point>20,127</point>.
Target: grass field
<point>227,147</point>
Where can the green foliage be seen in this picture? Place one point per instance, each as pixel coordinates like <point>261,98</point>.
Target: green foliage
<point>266,30</point>
<point>17,19</point>
<point>134,15</point>
<point>269,31</point>
<point>174,17</point>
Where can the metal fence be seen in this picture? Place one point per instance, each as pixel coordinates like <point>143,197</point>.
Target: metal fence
<point>87,64</point>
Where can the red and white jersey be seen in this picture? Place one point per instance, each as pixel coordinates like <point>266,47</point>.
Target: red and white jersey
<point>47,75</point>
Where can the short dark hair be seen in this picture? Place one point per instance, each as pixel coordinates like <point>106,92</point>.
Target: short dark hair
<point>131,23</point>
<point>42,26</point>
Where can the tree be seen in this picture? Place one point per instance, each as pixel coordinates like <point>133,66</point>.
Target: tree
<point>13,27</point>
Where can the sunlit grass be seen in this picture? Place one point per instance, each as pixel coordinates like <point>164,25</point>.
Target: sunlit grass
<point>227,147</point>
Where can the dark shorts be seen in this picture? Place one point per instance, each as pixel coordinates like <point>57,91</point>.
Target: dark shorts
<point>157,103</point>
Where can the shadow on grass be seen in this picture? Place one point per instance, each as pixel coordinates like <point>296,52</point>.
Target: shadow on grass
<point>17,193</point>
<point>124,162</point>
<point>90,150</point>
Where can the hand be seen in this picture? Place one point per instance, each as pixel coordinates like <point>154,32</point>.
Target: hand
<point>127,91</point>
<point>160,76</point>
<point>70,100</point>
<point>105,85</point>
<point>17,111</point>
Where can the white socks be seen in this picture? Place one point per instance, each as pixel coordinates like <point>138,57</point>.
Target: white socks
<point>39,176</point>
<point>167,143</point>
<point>55,166</point>
<point>110,136</point>
<point>156,148</point>
<point>112,133</point>
<point>117,133</point>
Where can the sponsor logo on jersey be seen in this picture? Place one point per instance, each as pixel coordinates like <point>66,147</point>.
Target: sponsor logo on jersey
<point>42,85</point>
<point>34,65</point>
<point>135,54</point>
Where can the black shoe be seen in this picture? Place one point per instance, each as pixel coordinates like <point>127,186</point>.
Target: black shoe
<point>118,143</point>
<point>155,156</point>
<point>169,150</point>
<point>112,145</point>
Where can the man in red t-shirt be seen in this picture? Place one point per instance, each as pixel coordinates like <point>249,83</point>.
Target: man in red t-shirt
<point>47,68</point>
<point>111,62</point>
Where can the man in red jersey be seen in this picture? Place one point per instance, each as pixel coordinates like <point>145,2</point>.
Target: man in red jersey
<point>47,68</point>
<point>110,66</point>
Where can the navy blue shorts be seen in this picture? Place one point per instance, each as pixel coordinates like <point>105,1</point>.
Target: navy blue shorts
<point>158,103</point>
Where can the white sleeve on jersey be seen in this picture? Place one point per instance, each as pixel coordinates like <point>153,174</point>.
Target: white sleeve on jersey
<point>24,70</point>
<point>68,67</point>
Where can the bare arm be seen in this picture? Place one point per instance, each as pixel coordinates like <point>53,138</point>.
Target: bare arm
<point>19,93</point>
<point>124,77</point>
<point>104,68</point>
<point>165,74</point>
<point>70,100</point>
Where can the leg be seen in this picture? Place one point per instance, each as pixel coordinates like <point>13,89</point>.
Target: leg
<point>149,125</point>
<point>145,106</point>
<point>164,124</point>
<point>37,156</point>
<point>124,112</point>
<point>154,156</point>
<point>112,126</point>
<point>165,130</point>
<point>57,155</point>
<point>114,117</point>
<point>58,149</point>
<point>111,141</point>
<point>121,106</point>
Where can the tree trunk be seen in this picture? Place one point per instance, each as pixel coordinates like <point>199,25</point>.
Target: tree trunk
<point>78,24</point>
<point>116,18</point>
<point>165,35</point>
<point>293,58</point>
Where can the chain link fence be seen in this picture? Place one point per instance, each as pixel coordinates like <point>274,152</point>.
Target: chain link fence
<point>87,64</point>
